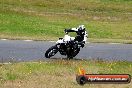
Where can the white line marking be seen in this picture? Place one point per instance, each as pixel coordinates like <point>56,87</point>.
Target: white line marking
<point>114,43</point>
<point>90,46</point>
<point>27,40</point>
<point>3,39</point>
<point>52,41</point>
<point>87,42</point>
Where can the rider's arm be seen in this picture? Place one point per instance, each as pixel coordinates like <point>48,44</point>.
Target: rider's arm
<point>71,30</point>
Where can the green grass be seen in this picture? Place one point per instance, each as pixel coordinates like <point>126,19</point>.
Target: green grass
<point>59,73</point>
<point>46,20</point>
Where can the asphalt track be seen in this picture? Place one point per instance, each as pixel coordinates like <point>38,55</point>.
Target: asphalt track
<point>20,50</point>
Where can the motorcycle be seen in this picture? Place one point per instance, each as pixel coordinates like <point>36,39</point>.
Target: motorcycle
<point>66,46</point>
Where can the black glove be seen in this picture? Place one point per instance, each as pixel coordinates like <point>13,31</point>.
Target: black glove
<point>66,31</point>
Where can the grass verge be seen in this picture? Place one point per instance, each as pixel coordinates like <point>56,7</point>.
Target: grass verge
<point>46,20</point>
<point>59,73</point>
<point>110,41</point>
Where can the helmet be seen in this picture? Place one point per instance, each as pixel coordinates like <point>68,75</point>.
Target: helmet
<point>81,27</point>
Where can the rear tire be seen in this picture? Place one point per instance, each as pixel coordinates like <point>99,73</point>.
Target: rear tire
<point>70,55</point>
<point>51,51</point>
<point>76,52</point>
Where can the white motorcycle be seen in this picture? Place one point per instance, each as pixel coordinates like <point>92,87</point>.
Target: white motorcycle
<point>66,46</point>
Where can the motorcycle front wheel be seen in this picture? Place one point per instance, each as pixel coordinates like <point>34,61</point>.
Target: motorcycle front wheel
<point>51,51</point>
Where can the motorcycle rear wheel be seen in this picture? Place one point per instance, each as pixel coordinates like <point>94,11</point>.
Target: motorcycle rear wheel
<point>70,55</point>
<point>76,52</point>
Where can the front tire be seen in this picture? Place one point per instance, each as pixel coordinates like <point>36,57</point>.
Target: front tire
<point>51,51</point>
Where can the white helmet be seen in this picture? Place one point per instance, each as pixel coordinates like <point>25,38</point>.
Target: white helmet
<point>81,27</point>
